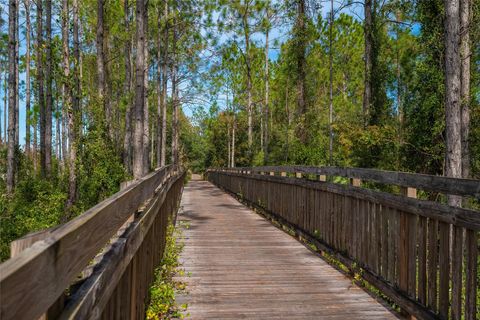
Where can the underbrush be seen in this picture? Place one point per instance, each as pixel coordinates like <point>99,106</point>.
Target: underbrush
<point>163,303</point>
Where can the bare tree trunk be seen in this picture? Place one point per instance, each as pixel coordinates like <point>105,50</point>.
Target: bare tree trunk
<point>465,54</point>
<point>234,125</point>
<point>5,106</point>
<point>162,55</point>
<point>66,91</point>
<point>152,145</point>
<point>287,127</point>
<point>229,140</point>
<point>127,145</point>
<point>12,92</point>
<point>330,111</point>
<point>4,111</point>
<point>27,76</point>
<point>246,29</point>
<point>174,96</point>
<point>159,92</point>
<point>163,142</point>
<point>71,108</point>
<point>146,126</point>
<point>58,140</point>
<point>367,91</point>
<point>301,60</point>
<point>47,120</point>
<point>17,79</point>
<point>138,155</point>
<point>452,94</point>
<point>40,86</point>
<point>99,44</point>
<point>267,89</point>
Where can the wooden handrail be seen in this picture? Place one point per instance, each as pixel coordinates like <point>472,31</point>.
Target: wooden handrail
<point>31,281</point>
<point>420,254</point>
<point>446,185</point>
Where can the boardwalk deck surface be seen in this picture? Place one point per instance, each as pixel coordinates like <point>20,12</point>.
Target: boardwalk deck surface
<point>242,267</point>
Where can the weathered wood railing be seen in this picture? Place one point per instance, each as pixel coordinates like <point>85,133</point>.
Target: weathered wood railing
<point>420,254</point>
<point>100,264</point>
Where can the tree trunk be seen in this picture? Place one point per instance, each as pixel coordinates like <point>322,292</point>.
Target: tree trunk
<point>234,125</point>
<point>246,30</point>
<point>12,92</point>
<point>66,91</point>
<point>71,108</point>
<point>138,161</point>
<point>465,54</point>
<point>5,106</point>
<point>453,166</point>
<point>47,119</point>
<point>267,92</point>
<point>330,111</point>
<point>174,96</point>
<point>27,77</point>
<point>127,88</point>
<point>17,78</point>
<point>163,142</point>
<point>162,55</point>
<point>146,126</point>
<point>40,85</point>
<point>301,60</point>
<point>99,44</point>
<point>368,35</point>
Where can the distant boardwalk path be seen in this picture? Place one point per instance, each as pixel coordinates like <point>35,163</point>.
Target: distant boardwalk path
<point>242,267</point>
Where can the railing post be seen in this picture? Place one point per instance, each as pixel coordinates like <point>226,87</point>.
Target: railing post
<point>355,182</point>
<point>283,174</point>
<point>272,173</point>
<point>407,243</point>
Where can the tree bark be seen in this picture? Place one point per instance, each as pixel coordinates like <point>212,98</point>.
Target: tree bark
<point>330,109</point>
<point>146,126</point>
<point>138,155</point>
<point>40,85</point>
<point>161,84</point>
<point>99,44</point>
<point>27,77</point>
<point>5,105</point>
<point>267,90</point>
<point>12,92</point>
<point>71,108</point>
<point>234,127</point>
<point>465,54</point>
<point>163,142</point>
<point>301,60</point>
<point>246,29</point>
<point>453,166</point>
<point>368,35</point>
<point>47,119</point>
<point>127,145</point>
<point>17,79</point>
<point>174,96</point>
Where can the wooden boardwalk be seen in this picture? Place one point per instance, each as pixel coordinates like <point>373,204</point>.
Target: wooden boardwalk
<point>242,267</point>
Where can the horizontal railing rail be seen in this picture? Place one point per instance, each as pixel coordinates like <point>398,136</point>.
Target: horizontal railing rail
<point>445,185</point>
<point>116,245</point>
<point>421,254</point>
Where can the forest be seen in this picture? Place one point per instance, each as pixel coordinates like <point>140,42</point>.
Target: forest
<point>94,93</point>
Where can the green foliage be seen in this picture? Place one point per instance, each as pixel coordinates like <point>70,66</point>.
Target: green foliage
<point>166,285</point>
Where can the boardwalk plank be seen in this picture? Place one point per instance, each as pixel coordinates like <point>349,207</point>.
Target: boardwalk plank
<point>241,266</point>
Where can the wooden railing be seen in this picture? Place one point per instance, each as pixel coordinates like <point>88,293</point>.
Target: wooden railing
<point>100,264</point>
<point>421,254</point>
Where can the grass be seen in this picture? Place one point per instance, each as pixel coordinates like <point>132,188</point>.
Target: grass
<point>163,303</point>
